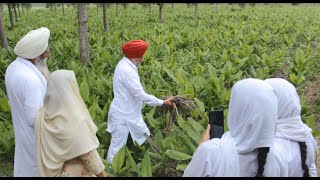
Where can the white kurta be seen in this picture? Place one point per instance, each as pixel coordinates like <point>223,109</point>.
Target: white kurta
<point>127,102</point>
<point>26,88</point>
<point>291,151</point>
<point>206,162</point>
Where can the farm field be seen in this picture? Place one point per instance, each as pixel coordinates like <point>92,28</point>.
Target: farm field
<point>200,58</point>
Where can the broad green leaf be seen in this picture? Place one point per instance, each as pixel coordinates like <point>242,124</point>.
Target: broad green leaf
<point>216,84</point>
<point>4,105</point>
<point>188,89</point>
<point>243,61</point>
<point>292,77</point>
<point>198,127</point>
<point>170,73</point>
<point>186,141</point>
<point>181,122</point>
<point>199,104</point>
<point>132,162</point>
<point>101,128</point>
<point>84,90</point>
<point>151,121</point>
<point>92,111</point>
<point>101,152</point>
<point>158,137</point>
<point>192,131</point>
<point>146,166</point>
<point>181,167</point>
<point>118,160</point>
<point>154,155</point>
<point>178,155</point>
<point>105,111</point>
<point>125,168</point>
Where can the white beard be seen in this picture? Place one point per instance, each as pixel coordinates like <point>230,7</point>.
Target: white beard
<point>135,62</point>
<point>42,66</point>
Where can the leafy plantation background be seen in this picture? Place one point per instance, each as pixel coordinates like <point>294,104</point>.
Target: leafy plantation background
<point>201,58</point>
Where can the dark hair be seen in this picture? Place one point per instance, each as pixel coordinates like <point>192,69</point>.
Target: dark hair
<point>262,158</point>
<point>303,152</point>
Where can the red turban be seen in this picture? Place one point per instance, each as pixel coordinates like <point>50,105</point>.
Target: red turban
<point>135,48</point>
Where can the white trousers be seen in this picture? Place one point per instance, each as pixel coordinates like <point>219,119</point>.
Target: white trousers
<point>119,138</point>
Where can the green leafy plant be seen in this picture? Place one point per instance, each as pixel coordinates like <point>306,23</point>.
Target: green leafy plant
<point>200,59</point>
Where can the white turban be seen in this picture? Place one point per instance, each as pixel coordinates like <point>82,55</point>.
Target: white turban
<point>33,44</point>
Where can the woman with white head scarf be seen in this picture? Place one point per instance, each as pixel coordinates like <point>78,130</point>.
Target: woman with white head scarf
<point>291,133</point>
<point>65,133</point>
<point>247,149</point>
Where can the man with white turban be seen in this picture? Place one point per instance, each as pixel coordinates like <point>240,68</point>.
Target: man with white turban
<point>26,85</point>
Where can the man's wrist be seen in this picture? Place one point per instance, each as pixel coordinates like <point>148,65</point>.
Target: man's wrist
<point>161,103</point>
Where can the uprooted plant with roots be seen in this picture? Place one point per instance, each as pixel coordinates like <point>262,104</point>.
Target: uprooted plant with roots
<point>181,107</point>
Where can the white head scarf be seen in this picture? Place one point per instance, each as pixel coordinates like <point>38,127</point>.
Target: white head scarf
<point>64,128</point>
<point>252,114</point>
<point>289,123</point>
<point>33,44</point>
<point>251,120</point>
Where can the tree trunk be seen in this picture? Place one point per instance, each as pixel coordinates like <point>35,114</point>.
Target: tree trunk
<point>196,10</point>
<point>18,9</point>
<point>3,37</point>
<point>161,13</point>
<point>116,8</point>
<point>97,7</point>
<point>105,17</point>
<point>11,15</point>
<point>150,9</point>
<point>172,6</point>
<point>83,32</point>
<point>22,8</point>
<point>217,6</point>
<point>62,9</point>
<point>15,11</point>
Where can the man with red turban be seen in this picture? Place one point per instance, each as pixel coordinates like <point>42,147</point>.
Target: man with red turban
<point>124,115</point>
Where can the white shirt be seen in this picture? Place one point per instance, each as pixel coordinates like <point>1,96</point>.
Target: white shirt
<point>206,162</point>
<point>26,88</point>
<point>127,102</point>
<point>291,151</point>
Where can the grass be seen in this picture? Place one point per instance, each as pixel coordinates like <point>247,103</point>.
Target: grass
<point>6,167</point>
